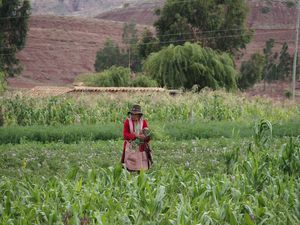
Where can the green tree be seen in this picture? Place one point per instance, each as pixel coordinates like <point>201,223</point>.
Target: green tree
<point>215,23</point>
<point>148,44</point>
<point>290,4</point>
<point>130,39</point>
<point>108,56</point>
<point>14,15</point>
<point>270,69</point>
<point>251,71</point>
<point>129,35</point>
<point>284,67</point>
<point>2,82</point>
<point>189,65</point>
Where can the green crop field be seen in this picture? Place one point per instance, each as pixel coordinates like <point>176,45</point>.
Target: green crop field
<point>219,158</point>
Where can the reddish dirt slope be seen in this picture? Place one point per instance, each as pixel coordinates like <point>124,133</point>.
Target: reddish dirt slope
<point>278,23</point>
<point>141,13</point>
<point>59,48</point>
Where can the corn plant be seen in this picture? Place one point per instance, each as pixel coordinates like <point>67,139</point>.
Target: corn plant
<point>289,157</point>
<point>262,133</point>
<point>87,109</point>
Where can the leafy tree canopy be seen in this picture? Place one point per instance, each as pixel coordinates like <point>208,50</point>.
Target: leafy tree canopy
<point>189,65</point>
<point>130,39</point>
<point>112,55</point>
<point>14,15</point>
<point>218,24</point>
<point>148,44</point>
<point>285,64</point>
<point>108,56</point>
<point>251,71</point>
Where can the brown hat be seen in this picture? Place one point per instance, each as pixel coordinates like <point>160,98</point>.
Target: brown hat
<point>136,109</point>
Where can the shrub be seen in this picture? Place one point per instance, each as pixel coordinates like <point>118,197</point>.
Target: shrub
<point>113,77</point>
<point>290,4</point>
<point>251,71</point>
<point>265,10</point>
<point>144,81</point>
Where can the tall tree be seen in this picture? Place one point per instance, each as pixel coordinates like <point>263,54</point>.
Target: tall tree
<point>189,65</point>
<point>130,39</point>
<point>285,63</point>
<point>14,15</point>
<point>270,61</point>
<point>109,56</point>
<point>148,44</point>
<point>251,71</point>
<point>219,24</point>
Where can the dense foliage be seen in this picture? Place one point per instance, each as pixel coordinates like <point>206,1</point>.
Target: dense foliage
<point>217,24</point>
<point>215,161</point>
<point>14,15</point>
<point>109,56</point>
<point>252,71</point>
<point>143,81</point>
<point>215,181</point>
<point>105,107</point>
<point>278,66</point>
<point>116,77</point>
<point>189,65</point>
<point>129,56</point>
<point>2,82</point>
<point>188,130</point>
<point>130,39</point>
<point>112,77</point>
<point>148,44</point>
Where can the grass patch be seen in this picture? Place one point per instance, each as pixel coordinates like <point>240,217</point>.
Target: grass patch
<point>113,131</point>
<point>65,134</point>
<point>227,129</point>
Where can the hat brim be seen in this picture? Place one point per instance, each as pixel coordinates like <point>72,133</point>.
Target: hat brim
<point>135,113</point>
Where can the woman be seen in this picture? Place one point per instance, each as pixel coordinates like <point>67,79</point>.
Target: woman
<point>136,152</point>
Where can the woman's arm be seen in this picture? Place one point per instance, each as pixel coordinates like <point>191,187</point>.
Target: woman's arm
<point>145,124</point>
<point>126,132</point>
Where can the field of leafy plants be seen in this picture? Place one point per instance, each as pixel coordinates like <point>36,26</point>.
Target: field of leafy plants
<point>248,174</point>
<point>17,109</point>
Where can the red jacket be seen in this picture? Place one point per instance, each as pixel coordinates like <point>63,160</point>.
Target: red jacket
<point>131,136</point>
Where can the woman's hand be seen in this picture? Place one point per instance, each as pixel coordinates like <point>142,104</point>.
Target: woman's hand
<point>141,136</point>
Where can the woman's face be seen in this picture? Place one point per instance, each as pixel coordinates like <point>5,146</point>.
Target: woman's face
<point>135,117</point>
